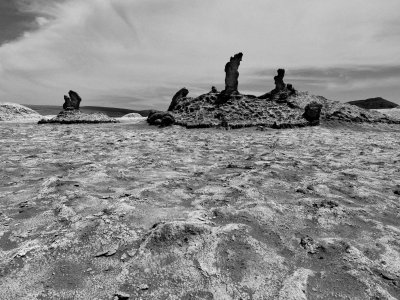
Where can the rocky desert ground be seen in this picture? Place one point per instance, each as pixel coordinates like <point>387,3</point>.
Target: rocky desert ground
<point>129,211</point>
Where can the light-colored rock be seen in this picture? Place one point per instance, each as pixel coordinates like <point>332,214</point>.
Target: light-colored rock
<point>132,116</point>
<point>17,112</point>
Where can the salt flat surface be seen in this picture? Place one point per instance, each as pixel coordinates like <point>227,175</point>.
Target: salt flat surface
<point>94,211</point>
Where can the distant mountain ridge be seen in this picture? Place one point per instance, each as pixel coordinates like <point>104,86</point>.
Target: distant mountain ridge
<point>113,112</point>
<point>374,103</point>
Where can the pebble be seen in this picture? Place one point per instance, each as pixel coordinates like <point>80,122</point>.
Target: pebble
<point>143,287</point>
<point>121,296</point>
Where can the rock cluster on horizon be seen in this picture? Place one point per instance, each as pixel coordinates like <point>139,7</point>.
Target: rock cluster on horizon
<point>72,115</point>
<point>282,107</point>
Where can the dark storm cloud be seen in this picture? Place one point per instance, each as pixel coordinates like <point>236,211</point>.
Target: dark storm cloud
<point>13,21</point>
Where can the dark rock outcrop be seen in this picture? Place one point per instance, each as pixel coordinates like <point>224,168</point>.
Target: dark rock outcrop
<point>73,101</point>
<point>179,95</point>
<point>312,112</point>
<point>232,74</point>
<point>279,84</point>
<point>231,79</point>
<point>67,103</point>
<point>160,118</point>
<point>282,91</point>
<point>213,90</point>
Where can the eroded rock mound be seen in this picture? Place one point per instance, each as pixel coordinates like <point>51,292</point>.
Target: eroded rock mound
<point>17,112</point>
<point>160,118</point>
<point>178,96</point>
<point>337,111</point>
<point>174,234</point>
<point>77,117</point>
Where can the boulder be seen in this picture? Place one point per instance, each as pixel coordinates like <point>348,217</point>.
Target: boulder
<point>178,96</point>
<point>312,112</point>
<point>160,118</point>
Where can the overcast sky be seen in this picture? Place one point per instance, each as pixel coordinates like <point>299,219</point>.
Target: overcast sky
<point>138,53</point>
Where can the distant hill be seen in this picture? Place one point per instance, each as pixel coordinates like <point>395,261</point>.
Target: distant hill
<point>374,103</point>
<point>109,111</point>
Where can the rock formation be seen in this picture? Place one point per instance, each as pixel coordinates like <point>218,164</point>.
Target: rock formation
<point>72,102</point>
<point>285,107</point>
<point>67,103</point>
<point>178,96</point>
<point>72,115</point>
<point>232,74</point>
<point>279,84</point>
<point>281,91</point>
<point>312,112</point>
<point>160,118</point>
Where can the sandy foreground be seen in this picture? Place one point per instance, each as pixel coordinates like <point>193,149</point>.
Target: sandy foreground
<point>128,211</point>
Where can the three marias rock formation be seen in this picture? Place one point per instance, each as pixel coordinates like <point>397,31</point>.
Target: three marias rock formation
<point>282,107</point>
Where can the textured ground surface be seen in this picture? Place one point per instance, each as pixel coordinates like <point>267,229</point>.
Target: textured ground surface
<point>125,210</point>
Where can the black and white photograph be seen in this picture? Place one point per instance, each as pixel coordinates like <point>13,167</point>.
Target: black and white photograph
<point>199,149</point>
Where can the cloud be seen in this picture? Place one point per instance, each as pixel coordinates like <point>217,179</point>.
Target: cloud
<point>111,51</point>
